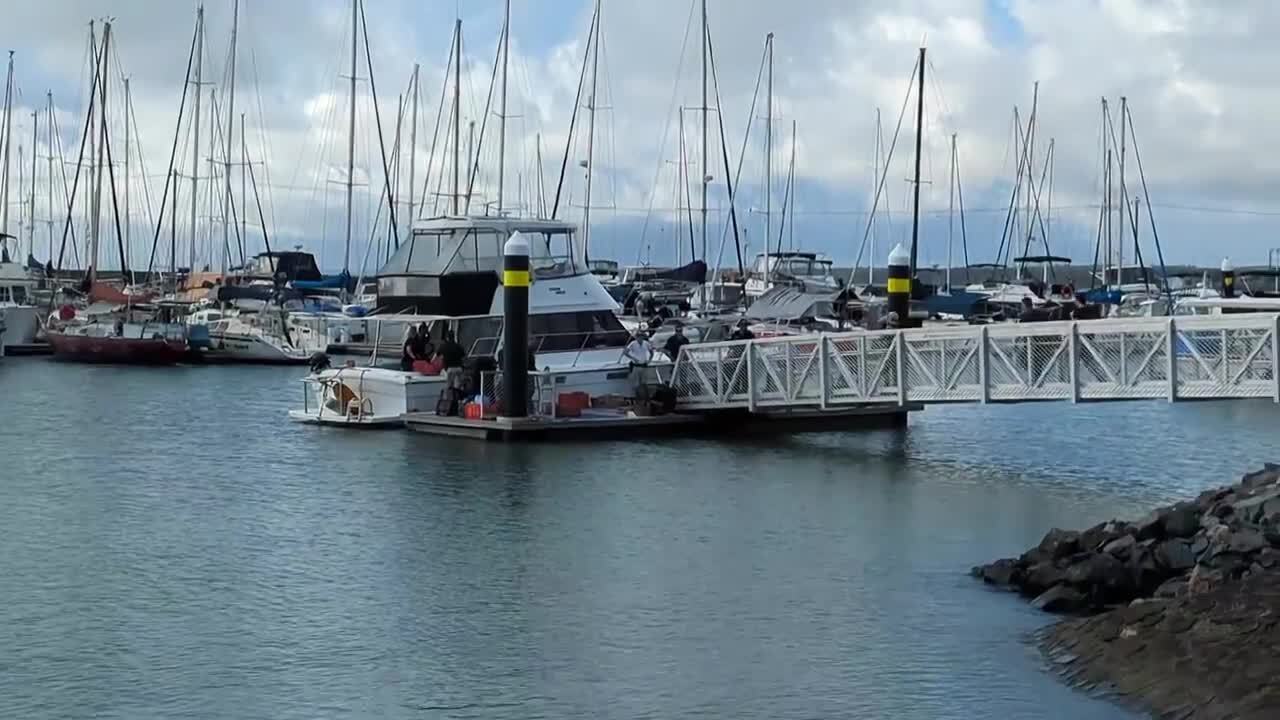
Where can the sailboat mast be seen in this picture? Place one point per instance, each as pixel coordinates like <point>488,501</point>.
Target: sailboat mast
<point>951,209</point>
<point>35,136</point>
<point>173,233</point>
<point>591,135</point>
<point>915,207</point>
<point>244,190</point>
<point>8,134</point>
<point>502,113</point>
<point>195,142</point>
<point>127,105</point>
<point>768,149</point>
<point>227,143</point>
<point>1031,151</point>
<point>1124,196</point>
<point>102,146</point>
<point>49,133</point>
<point>791,191</point>
<point>413,146</point>
<point>875,183</point>
<point>457,113</point>
<point>351,139</point>
<point>706,176</point>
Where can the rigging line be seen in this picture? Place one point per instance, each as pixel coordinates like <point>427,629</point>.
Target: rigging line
<point>592,37</point>
<point>177,131</point>
<point>1155,234</point>
<point>666,133</point>
<point>884,176</point>
<point>724,150</point>
<point>741,156</point>
<point>75,185</point>
<point>266,236</point>
<point>1005,251</point>
<point>435,133</point>
<point>484,124</point>
<point>264,138</point>
<point>786,198</point>
<point>66,191</point>
<point>377,117</point>
<point>964,236</point>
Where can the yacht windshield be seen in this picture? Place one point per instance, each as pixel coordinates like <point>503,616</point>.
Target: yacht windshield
<point>554,254</point>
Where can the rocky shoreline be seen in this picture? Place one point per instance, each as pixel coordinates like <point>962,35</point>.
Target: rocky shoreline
<point>1178,611</point>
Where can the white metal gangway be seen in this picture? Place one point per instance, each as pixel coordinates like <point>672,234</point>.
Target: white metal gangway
<point>1182,358</point>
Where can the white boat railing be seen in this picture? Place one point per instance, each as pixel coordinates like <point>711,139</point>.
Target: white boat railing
<point>355,409</point>
<point>1182,358</point>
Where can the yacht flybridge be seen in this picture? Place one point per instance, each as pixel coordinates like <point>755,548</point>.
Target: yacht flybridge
<point>448,277</point>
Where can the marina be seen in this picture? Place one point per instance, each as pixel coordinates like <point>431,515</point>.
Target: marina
<point>518,361</point>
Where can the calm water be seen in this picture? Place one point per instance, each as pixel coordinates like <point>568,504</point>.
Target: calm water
<point>170,546</point>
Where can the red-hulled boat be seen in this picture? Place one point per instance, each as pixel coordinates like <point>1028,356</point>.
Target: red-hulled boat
<point>85,346</point>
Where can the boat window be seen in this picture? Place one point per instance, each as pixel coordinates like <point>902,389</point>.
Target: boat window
<point>19,294</point>
<point>478,251</point>
<point>4,294</point>
<point>554,255</point>
<point>479,336</point>
<point>428,253</point>
<point>568,332</point>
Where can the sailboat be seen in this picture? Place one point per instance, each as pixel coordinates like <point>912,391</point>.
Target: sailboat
<point>19,319</point>
<point>117,327</point>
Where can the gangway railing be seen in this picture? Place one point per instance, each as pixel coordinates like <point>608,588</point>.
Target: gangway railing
<point>1178,358</point>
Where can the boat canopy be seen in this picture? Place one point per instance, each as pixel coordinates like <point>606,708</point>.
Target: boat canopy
<point>1035,259</point>
<point>694,272</point>
<point>787,303</point>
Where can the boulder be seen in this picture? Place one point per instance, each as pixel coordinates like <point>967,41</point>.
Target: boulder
<point>1060,599</point>
<point>1121,546</point>
<point>1104,578</point>
<point>1058,544</point>
<point>1268,475</point>
<point>1199,544</point>
<point>1151,526</point>
<point>1096,537</point>
<point>1203,580</point>
<point>1003,572</point>
<point>1182,521</point>
<point>1270,513</point>
<point>1246,540</point>
<point>1175,555</point>
<point>1040,577</point>
<point>1172,588</point>
<point>1250,507</point>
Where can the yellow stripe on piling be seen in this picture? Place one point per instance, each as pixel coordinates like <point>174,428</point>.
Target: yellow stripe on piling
<point>515,278</point>
<point>899,285</point>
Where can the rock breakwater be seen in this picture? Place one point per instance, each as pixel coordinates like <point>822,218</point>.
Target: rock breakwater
<point>1179,610</point>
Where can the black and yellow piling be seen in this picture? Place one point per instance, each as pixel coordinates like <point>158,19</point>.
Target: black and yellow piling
<point>1228,279</point>
<point>900,286</point>
<point>515,327</point>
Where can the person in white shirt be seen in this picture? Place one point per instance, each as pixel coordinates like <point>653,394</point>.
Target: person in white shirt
<point>639,351</point>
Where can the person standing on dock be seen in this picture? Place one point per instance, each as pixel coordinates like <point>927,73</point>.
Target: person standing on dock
<point>415,347</point>
<point>675,342</point>
<point>639,351</point>
<point>450,352</point>
<point>743,331</point>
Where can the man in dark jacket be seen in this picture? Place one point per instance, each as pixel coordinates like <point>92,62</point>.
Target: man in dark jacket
<point>675,342</point>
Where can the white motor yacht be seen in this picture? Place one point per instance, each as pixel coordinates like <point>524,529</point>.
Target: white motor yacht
<point>447,276</point>
<point>810,272</point>
<point>18,315</point>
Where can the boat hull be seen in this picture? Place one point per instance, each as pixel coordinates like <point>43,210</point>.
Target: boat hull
<point>19,324</point>
<point>251,349</point>
<point>117,350</point>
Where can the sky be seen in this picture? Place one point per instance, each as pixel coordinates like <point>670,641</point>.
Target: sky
<point>1196,77</point>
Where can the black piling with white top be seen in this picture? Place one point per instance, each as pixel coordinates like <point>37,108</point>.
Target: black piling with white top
<point>516,279</point>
